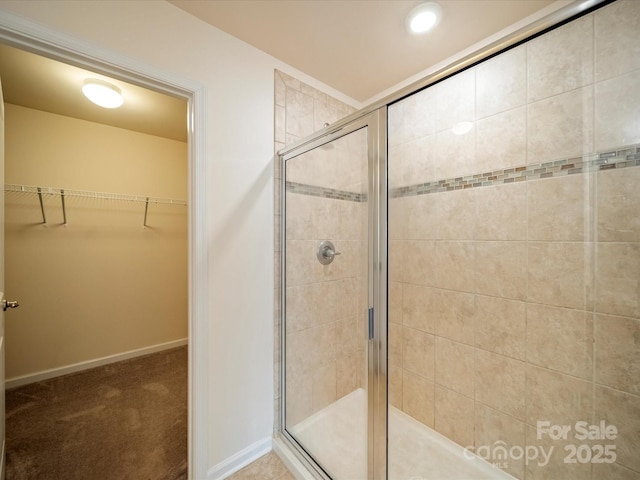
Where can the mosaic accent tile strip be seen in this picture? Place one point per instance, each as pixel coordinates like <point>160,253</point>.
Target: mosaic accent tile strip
<point>314,191</point>
<point>614,159</point>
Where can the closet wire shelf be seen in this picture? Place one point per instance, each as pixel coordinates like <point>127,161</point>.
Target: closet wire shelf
<point>81,193</point>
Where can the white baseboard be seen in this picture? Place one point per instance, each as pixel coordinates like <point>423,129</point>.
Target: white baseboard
<point>77,367</point>
<point>239,460</point>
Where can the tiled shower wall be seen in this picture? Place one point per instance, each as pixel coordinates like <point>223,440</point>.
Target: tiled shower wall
<point>514,250</point>
<point>324,203</point>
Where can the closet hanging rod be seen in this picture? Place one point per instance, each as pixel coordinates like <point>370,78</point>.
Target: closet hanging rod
<point>100,195</point>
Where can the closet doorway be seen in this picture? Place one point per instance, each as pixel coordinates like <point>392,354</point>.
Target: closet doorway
<point>96,222</point>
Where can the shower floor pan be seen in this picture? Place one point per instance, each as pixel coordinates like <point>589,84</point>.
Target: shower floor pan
<point>334,436</point>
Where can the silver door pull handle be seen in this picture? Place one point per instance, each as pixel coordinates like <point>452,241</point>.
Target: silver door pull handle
<point>9,304</point>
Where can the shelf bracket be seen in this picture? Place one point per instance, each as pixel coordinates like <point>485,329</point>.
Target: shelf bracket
<point>44,217</point>
<point>64,209</point>
<point>146,209</point>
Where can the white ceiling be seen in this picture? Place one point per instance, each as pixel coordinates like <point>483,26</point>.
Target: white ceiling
<point>41,83</point>
<point>358,47</point>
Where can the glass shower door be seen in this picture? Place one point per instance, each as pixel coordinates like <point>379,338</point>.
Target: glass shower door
<point>329,290</point>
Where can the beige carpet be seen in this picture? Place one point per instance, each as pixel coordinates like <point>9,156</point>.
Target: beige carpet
<point>126,420</point>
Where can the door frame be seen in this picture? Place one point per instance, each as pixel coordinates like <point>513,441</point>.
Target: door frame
<point>377,425</point>
<point>20,33</point>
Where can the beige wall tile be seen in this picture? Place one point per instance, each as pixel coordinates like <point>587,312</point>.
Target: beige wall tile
<point>420,308</point>
<point>419,115</point>
<point>617,346</point>
<point>308,350</point>
<point>419,262</point>
<point>617,39</point>
<point>395,334</point>
<point>420,157</point>
<point>623,411</point>
<point>618,279</point>
<point>397,209</point>
<point>501,269</point>
<point>309,305</point>
<point>299,399</point>
<point>280,92</point>
<point>455,366</point>
<point>349,335</point>
<point>299,113</point>
<point>418,352</point>
<point>422,216</point>
<point>456,216</point>
<point>456,315</point>
<point>500,326</point>
<point>561,208</point>
<point>279,124</point>
<point>501,140</point>
<point>618,197</point>
<point>396,260</point>
<point>454,265</point>
<point>395,302</point>
<point>561,60</point>
<point>556,466</point>
<point>501,212</point>
<point>608,471</point>
<point>557,398</point>
<point>501,83</point>
<point>346,296</point>
<point>561,126</point>
<point>560,274</point>
<point>290,81</point>
<point>418,398</point>
<point>617,111</point>
<point>455,100</point>
<point>454,416</point>
<point>560,339</point>
<point>492,426</point>
<point>324,386</point>
<point>347,374</point>
<point>395,124</point>
<point>500,383</point>
<point>455,155</point>
<point>395,387</point>
<point>349,220</point>
<point>302,266</point>
<point>323,113</point>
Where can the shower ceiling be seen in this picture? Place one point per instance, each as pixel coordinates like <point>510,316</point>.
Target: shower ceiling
<point>359,47</point>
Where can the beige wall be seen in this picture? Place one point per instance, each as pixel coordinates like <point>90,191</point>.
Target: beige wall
<point>102,284</point>
<point>514,274</point>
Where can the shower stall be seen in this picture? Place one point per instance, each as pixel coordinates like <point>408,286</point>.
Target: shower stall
<point>460,283</point>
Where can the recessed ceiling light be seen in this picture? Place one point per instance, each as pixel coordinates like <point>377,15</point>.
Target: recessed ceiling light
<point>423,17</point>
<point>102,93</point>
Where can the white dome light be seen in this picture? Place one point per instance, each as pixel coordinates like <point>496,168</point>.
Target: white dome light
<point>423,17</point>
<point>102,93</point>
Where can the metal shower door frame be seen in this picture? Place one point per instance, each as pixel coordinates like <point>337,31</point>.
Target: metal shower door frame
<point>376,124</point>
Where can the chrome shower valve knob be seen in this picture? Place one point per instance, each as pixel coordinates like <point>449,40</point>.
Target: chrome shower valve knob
<point>326,252</point>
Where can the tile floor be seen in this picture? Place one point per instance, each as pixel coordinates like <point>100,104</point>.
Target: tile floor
<point>267,467</point>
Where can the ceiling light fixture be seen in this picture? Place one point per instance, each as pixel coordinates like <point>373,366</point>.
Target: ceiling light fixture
<point>102,93</point>
<point>423,17</point>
